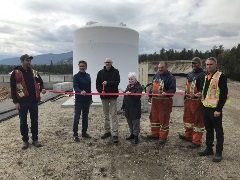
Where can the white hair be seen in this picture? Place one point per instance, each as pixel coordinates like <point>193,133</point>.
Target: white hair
<point>132,75</point>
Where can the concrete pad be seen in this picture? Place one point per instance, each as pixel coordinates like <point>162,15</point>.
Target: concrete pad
<point>70,103</point>
<point>65,86</point>
<point>56,78</point>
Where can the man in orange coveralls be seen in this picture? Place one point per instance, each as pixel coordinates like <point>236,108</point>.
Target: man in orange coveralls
<point>164,84</point>
<point>193,118</point>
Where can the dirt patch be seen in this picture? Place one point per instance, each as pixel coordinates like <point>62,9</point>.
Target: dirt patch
<point>5,93</point>
<point>61,158</point>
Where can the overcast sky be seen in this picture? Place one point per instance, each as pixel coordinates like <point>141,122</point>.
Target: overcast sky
<point>46,26</point>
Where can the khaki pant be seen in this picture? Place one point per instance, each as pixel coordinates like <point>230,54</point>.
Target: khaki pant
<point>110,108</point>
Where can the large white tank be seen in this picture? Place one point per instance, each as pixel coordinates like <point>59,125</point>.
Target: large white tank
<point>95,42</point>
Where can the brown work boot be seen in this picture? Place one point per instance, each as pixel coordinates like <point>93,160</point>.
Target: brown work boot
<point>25,144</point>
<point>36,144</point>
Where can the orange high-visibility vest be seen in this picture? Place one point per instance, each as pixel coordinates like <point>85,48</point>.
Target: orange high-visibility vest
<point>158,88</point>
<point>212,96</point>
<point>21,88</point>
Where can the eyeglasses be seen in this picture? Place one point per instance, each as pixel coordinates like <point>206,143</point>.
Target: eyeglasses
<point>107,62</point>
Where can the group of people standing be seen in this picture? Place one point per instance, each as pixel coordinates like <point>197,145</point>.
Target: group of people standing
<point>205,96</point>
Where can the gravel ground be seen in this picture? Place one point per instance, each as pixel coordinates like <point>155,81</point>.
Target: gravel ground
<point>61,158</point>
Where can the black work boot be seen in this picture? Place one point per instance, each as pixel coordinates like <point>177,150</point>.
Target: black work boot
<point>76,139</point>
<point>162,141</point>
<point>130,137</point>
<point>193,146</point>
<point>136,140</point>
<point>181,136</point>
<point>106,135</point>
<point>86,135</point>
<point>217,157</point>
<point>206,152</point>
<point>115,139</point>
<point>150,137</point>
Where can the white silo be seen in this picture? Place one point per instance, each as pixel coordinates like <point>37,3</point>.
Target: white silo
<point>95,42</point>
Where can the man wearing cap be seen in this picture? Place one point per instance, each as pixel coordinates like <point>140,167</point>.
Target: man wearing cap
<point>26,85</point>
<point>192,117</point>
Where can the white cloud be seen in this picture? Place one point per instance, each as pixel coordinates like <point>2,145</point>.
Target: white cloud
<point>42,26</point>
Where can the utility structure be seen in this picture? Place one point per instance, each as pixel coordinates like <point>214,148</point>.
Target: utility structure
<point>94,42</point>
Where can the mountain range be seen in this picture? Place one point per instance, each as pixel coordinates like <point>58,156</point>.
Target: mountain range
<point>64,58</point>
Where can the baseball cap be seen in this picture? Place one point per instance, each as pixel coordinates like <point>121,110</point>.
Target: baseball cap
<point>25,56</point>
<point>196,59</point>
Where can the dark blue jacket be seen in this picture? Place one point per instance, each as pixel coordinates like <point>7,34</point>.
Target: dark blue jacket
<point>82,81</point>
<point>199,76</point>
<point>169,81</point>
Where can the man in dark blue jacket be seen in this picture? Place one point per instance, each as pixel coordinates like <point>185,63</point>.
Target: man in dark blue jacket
<point>164,84</point>
<point>82,85</point>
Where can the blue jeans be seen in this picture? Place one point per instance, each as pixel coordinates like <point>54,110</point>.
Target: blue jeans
<point>82,106</point>
<point>32,107</point>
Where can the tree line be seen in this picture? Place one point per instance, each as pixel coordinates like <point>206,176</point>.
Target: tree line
<point>44,69</point>
<point>228,59</point>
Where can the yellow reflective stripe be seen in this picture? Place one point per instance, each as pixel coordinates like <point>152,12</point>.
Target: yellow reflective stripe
<point>164,128</point>
<point>157,125</point>
<point>35,73</point>
<point>19,86</point>
<point>189,125</point>
<point>192,86</point>
<point>195,129</point>
<point>20,93</point>
<point>193,99</point>
<point>161,87</point>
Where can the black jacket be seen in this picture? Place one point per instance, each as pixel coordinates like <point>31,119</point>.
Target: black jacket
<point>132,104</point>
<point>28,78</point>
<point>222,84</point>
<point>113,79</point>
